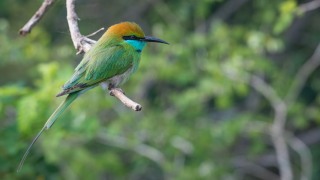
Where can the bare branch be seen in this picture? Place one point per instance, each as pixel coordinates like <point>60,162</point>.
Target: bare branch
<point>297,143</point>
<point>281,106</point>
<point>306,158</point>
<point>36,17</point>
<point>94,33</point>
<point>282,152</point>
<point>303,74</point>
<point>309,6</point>
<point>267,91</point>
<point>80,42</point>
<point>124,99</point>
<point>308,138</point>
<point>223,13</point>
<point>277,128</point>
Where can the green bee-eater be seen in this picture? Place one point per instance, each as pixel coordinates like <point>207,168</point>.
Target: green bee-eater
<point>113,59</point>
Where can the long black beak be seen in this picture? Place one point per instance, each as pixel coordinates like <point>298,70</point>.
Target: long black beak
<point>153,39</point>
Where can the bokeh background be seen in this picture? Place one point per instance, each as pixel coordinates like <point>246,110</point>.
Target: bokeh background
<point>237,87</point>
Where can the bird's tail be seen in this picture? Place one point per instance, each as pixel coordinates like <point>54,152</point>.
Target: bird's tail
<point>62,107</point>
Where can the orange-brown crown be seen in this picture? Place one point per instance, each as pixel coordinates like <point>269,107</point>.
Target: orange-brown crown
<point>125,29</point>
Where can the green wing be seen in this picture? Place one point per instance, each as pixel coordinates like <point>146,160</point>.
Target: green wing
<point>97,66</point>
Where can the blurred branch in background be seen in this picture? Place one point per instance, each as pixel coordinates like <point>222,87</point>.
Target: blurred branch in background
<point>36,17</point>
<point>222,14</point>
<point>309,138</point>
<point>309,6</point>
<point>300,144</point>
<point>278,132</point>
<point>139,9</point>
<point>254,169</point>
<point>144,150</point>
<point>227,9</point>
<point>305,155</point>
<point>302,76</point>
<point>281,106</point>
<point>277,128</point>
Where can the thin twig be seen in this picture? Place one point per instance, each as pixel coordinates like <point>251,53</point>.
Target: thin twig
<point>303,74</point>
<point>116,92</point>
<point>309,6</point>
<point>305,155</point>
<point>277,127</point>
<point>309,138</point>
<point>96,32</point>
<point>36,17</point>
<point>83,44</point>
<point>223,13</point>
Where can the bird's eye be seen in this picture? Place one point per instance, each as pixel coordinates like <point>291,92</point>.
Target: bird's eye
<point>131,37</point>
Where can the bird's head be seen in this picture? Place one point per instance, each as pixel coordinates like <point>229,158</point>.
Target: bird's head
<point>132,34</point>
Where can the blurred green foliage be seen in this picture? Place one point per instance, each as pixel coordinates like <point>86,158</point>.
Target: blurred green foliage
<point>199,112</point>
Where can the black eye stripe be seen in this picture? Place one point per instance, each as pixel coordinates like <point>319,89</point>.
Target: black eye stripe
<point>131,37</point>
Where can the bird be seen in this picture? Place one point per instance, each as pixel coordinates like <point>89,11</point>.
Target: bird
<point>112,60</point>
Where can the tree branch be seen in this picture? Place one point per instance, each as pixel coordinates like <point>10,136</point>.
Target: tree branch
<point>309,138</point>
<point>147,151</point>
<point>125,100</point>
<point>36,17</point>
<point>309,6</point>
<point>80,42</point>
<point>223,13</point>
<point>298,143</point>
<point>305,155</point>
<point>303,74</point>
<point>277,128</point>
<point>96,32</point>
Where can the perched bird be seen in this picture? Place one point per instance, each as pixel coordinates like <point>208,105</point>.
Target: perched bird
<point>113,59</point>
